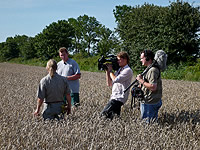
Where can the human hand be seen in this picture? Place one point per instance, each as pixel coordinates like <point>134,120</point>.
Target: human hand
<point>109,67</point>
<point>36,113</point>
<point>139,77</point>
<point>68,109</point>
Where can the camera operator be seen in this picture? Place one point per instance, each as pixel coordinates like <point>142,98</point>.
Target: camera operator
<point>151,85</point>
<point>119,81</point>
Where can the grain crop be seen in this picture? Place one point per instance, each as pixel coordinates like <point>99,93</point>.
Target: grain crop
<point>178,124</point>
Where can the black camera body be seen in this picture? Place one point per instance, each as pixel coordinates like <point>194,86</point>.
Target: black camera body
<point>110,59</point>
<point>137,92</point>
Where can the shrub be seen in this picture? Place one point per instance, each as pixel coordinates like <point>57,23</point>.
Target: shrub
<point>87,63</point>
<point>183,72</point>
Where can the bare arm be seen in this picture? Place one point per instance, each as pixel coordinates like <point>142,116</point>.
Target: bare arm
<point>74,77</point>
<point>112,76</point>
<point>68,103</point>
<point>39,104</point>
<point>108,78</point>
<point>152,87</point>
<point>109,75</point>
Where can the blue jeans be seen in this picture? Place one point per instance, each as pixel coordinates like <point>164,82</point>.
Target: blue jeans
<point>150,111</point>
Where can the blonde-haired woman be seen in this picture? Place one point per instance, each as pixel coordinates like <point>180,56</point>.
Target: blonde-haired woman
<point>51,91</point>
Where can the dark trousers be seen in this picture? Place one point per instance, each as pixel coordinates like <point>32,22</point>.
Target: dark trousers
<point>113,107</point>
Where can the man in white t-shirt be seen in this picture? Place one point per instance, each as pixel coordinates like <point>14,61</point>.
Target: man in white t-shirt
<point>69,68</point>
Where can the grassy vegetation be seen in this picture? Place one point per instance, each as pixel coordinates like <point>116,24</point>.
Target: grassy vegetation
<point>175,72</point>
<point>87,64</point>
<point>30,62</point>
<point>183,72</point>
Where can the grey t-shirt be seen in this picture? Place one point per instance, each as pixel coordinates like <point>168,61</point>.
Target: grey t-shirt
<point>53,89</point>
<point>67,69</point>
<point>153,77</point>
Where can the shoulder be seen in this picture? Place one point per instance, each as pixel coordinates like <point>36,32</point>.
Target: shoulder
<point>154,69</point>
<point>45,79</point>
<point>128,69</point>
<point>56,75</point>
<point>59,63</point>
<point>74,64</point>
<point>61,78</point>
<point>72,61</point>
<point>154,72</point>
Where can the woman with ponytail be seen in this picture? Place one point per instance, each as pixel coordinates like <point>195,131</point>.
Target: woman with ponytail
<point>51,90</point>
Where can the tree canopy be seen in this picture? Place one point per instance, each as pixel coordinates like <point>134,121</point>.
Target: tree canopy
<point>173,29</point>
<point>56,35</point>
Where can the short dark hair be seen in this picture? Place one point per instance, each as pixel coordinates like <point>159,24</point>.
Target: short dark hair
<point>124,55</point>
<point>63,49</point>
<point>148,54</point>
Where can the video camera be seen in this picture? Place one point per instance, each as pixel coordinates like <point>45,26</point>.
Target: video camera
<point>138,94</point>
<point>110,59</point>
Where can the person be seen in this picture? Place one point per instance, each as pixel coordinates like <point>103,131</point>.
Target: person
<point>69,68</point>
<point>51,91</point>
<point>119,81</point>
<point>151,85</point>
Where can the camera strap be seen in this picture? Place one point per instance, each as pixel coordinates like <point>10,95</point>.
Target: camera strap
<point>118,72</point>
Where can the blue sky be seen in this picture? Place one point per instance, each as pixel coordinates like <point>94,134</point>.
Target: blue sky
<point>30,17</point>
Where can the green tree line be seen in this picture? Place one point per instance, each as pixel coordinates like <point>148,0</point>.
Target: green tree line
<point>174,29</point>
<point>82,35</point>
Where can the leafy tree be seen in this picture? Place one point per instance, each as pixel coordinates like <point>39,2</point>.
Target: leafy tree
<point>25,46</point>
<point>17,47</point>
<point>89,27</point>
<point>76,41</point>
<point>91,37</point>
<point>28,51</point>
<point>10,49</point>
<point>137,28</point>
<point>107,41</point>
<point>41,47</point>
<point>2,51</point>
<point>53,37</point>
<point>182,25</point>
<point>173,29</point>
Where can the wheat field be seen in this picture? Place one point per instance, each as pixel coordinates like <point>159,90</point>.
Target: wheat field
<point>178,126</point>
